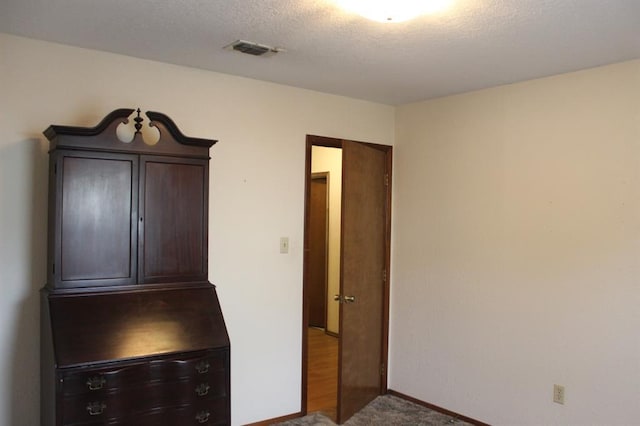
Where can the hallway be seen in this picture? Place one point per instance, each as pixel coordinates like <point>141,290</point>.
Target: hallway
<point>322,382</point>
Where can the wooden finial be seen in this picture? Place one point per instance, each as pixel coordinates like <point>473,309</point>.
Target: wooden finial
<point>138,121</point>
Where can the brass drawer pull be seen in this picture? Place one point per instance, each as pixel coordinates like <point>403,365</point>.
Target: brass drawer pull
<point>202,389</point>
<point>202,367</point>
<point>203,416</point>
<point>96,382</point>
<point>96,408</point>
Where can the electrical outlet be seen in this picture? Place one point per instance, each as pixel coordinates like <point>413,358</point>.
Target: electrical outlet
<point>558,394</point>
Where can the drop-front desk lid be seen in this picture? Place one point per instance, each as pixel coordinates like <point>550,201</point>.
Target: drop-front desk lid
<point>93,328</point>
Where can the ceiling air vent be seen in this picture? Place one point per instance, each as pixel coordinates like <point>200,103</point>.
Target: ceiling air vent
<point>251,48</point>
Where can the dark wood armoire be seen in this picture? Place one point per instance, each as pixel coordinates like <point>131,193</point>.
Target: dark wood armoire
<point>132,331</point>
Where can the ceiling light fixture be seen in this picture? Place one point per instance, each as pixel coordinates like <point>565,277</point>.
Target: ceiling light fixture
<point>393,10</point>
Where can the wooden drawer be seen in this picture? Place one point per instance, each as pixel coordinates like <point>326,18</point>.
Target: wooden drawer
<point>98,381</point>
<point>119,403</point>
<point>203,413</point>
<point>213,413</point>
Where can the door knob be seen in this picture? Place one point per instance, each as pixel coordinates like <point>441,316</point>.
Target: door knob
<point>337,298</point>
<point>349,299</point>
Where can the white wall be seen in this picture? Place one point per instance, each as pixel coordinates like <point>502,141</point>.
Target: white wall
<point>516,259</point>
<point>325,159</point>
<point>516,229</point>
<point>257,196</point>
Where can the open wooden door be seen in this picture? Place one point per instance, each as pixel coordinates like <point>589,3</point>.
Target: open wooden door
<point>318,224</point>
<point>364,264</point>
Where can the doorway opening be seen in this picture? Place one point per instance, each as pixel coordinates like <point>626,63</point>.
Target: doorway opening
<point>324,208</point>
<point>346,286</point>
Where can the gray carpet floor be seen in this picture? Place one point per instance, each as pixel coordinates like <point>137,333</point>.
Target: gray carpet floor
<point>385,410</point>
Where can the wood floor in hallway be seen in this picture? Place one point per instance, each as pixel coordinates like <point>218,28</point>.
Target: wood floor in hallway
<point>322,380</point>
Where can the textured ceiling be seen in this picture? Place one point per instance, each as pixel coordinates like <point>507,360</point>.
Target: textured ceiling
<point>473,45</point>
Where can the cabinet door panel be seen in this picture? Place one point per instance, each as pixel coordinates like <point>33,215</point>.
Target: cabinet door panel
<point>173,225</point>
<point>97,204</point>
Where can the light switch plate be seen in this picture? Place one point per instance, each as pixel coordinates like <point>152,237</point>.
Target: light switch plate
<point>284,245</point>
<point>558,394</point>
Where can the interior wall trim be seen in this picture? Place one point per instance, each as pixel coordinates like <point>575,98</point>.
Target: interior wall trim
<point>277,420</point>
<point>331,333</point>
<point>433,407</point>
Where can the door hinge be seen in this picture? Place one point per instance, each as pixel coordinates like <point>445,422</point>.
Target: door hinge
<point>384,275</point>
<point>386,179</point>
<point>383,370</point>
